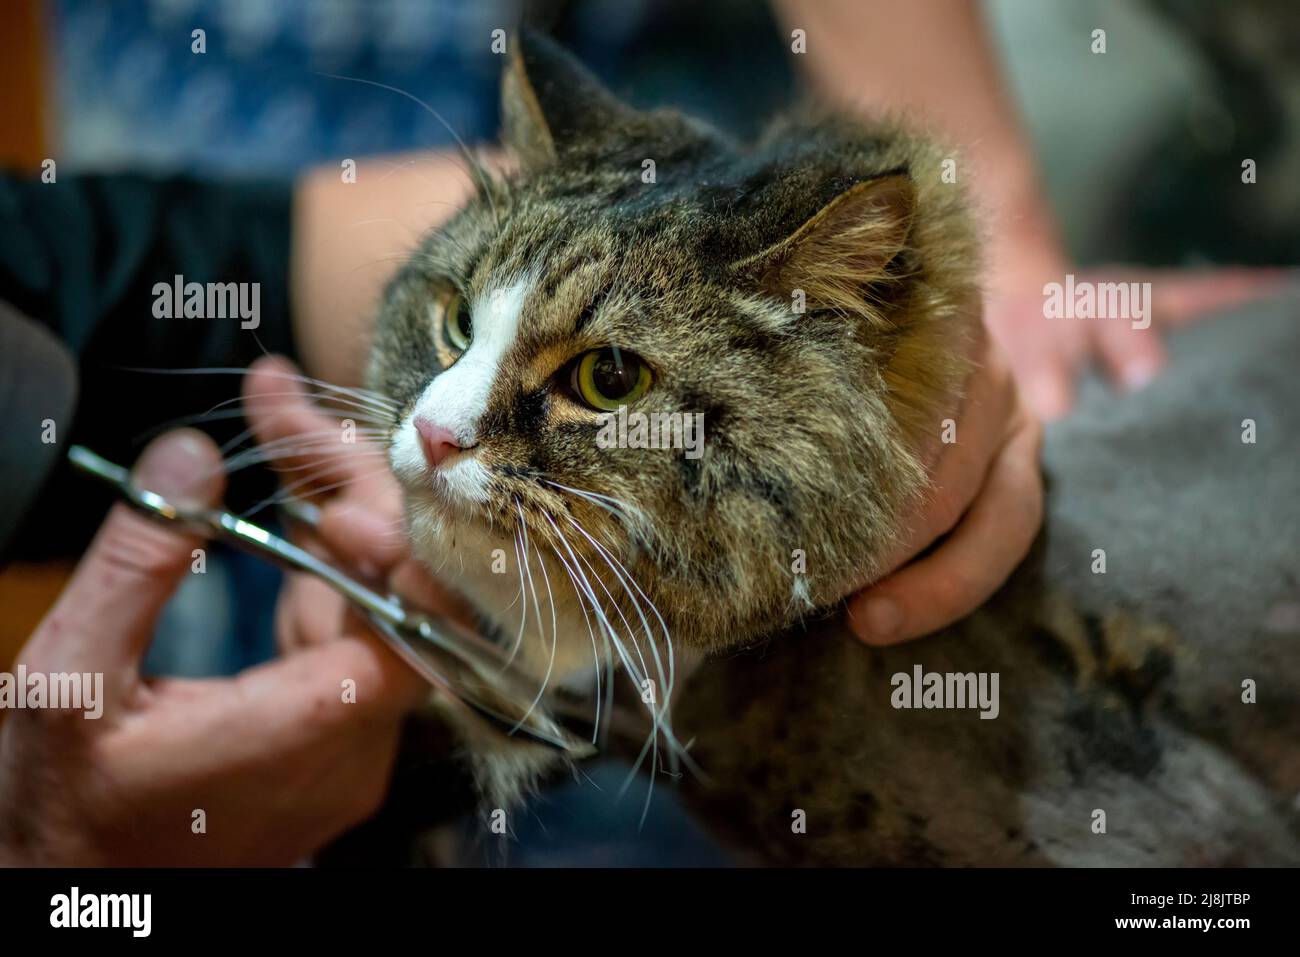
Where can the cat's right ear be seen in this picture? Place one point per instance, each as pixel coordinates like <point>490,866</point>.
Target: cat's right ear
<point>843,249</point>
<point>550,101</point>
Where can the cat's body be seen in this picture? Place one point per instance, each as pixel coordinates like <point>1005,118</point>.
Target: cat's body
<point>814,297</point>
<point>1120,692</point>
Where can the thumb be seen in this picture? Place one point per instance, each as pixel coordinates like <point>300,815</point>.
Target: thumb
<point>105,617</point>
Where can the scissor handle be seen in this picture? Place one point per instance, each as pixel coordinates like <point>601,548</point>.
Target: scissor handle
<point>238,531</point>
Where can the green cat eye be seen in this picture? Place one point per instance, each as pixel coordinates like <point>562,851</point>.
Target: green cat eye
<point>608,378</point>
<point>457,322</point>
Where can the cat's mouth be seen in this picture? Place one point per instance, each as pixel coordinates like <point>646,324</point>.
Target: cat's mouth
<point>459,483</point>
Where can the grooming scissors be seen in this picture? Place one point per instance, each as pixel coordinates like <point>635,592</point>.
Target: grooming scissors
<point>447,655</point>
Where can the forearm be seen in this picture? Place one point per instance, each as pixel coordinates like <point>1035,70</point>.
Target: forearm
<point>350,237</point>
<point>931,61</point>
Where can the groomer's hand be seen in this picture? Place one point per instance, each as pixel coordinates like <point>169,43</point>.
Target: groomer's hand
<point>984,509</point>
<point>986,503</point>
<point>1047,356</point>
<point>273,762</point>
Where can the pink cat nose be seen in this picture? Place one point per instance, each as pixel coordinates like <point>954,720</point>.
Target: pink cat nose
<point>436,440</point>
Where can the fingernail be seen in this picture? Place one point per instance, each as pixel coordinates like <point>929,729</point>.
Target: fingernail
<point>1136,375</point>
<point>882,618</point>
<point>178,466</point>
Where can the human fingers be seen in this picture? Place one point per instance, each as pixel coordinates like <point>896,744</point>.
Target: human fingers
<point>105,617</point>
<point>972,563</point>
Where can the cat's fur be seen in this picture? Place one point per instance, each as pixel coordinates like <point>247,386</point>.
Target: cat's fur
<point>818,425</point>
<point>1120,692</point>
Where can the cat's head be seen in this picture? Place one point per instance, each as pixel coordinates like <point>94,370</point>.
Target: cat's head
<point>796,310</point>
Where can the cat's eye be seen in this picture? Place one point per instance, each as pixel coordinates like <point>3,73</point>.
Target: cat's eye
<point>457,322</point>
<point>608,378</point>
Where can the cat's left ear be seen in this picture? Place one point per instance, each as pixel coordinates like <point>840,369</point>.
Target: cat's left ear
<point>550,101</point>
<point>846,246</point>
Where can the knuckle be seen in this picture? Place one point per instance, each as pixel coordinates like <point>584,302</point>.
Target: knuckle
<point>945,511</point>
<point>127,553</point>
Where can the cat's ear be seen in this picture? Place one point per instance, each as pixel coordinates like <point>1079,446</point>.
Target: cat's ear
<point>550,101</point>
<point>843,248</point>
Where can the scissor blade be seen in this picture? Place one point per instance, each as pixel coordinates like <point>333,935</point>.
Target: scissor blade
<point>478,681</point>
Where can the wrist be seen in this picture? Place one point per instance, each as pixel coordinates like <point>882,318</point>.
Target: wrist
<point>1024,235</point>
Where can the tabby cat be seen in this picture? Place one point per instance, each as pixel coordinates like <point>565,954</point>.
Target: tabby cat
<point>814,296</point>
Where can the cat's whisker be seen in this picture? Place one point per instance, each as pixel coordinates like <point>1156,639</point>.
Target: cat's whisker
<point>314,472</point>
<point>640,675</point>
<point>377,420</point>
<point>664,696</point>
<point>660,691</point>
<point>304,443</point>
<point>639,679</point>
<point>651,747</point>
<point>523,618</point>
<point>528,569</point>
<point>285,493</point>
<point>293,460</point>
<point>483,180</point>
<point>353,408</point>
<point>322,449</point>
<point>328,436</point>
<point>582,603</point>
<point>318,445</point>
<point>423,257</point>
<point>519,593</point>
<point>612,640</point>
<point>608,634</point>
<point>379,403</point>
<point>411,166</point>
<point>417,257</point>
<point>629,514</point>
<point>625,578</point>
<point>591,633</point>
<point>221,415</point>
<point>663,625</point>
<point>610,631</point>
<point>635,602</point>
<point>393,530</point>
<point>555,641</point>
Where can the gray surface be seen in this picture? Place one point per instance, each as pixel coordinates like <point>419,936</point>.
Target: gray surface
<point>1198,527</point>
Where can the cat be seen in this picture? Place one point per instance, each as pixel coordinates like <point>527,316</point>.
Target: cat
<point>815,297</point>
